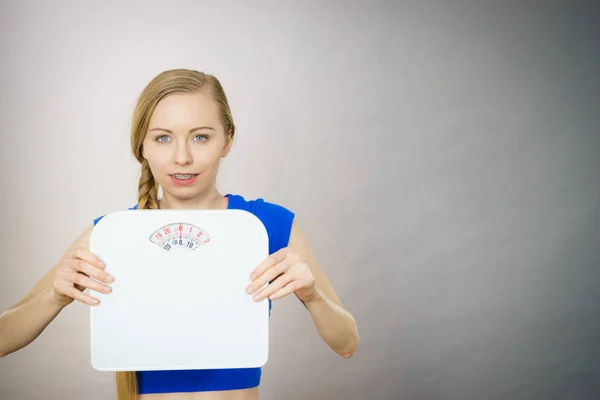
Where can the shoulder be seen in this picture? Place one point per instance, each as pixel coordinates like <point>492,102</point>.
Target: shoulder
<point>277,218</point>
<point>262,208</point>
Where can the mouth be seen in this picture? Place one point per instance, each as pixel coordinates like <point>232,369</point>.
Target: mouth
<point>184,179</point>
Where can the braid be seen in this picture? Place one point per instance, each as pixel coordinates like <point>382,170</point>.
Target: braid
<point>147,189</point>
<point>127,385</point>
<point>147,199</point>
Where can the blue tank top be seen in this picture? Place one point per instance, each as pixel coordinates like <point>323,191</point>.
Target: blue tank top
<point>278,222</point>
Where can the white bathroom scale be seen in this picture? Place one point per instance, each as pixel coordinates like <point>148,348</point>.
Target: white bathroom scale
<point>179,298</point>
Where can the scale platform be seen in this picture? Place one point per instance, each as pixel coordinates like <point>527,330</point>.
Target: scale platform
<point>179,298</point>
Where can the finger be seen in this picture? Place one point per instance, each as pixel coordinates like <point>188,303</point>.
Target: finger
<point>92,271</point>
<point>88,256</point>
<point>64,278</point>
<point>80,296</point>
<point>268,262</point>
<point>268,276</point>
<point>287,289</point>
<point>89,283</point>
<point>274,286</point>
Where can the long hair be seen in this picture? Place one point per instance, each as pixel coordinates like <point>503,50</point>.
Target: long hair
<point>166,83</point>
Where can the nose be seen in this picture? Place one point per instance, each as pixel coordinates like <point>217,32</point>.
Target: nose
<point>182,155</point>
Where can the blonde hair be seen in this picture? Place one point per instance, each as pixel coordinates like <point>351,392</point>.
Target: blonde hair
<point>166,83</point>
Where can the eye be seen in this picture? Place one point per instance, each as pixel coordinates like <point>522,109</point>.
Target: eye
<point>202,137</point>
<point>158,139</point>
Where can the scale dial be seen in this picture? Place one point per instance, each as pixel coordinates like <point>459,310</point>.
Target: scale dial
<point>179,235</point>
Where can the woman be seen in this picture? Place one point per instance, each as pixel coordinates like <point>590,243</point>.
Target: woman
<point>182,128</point>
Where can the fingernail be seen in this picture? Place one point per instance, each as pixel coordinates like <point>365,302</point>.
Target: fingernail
<point>95,301</point>
<point>110,278</point>
<point>257,297</point>
<point>249,289</point>
<point>101,264</point>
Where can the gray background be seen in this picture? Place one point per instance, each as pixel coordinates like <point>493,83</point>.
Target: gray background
<point>443,158</point>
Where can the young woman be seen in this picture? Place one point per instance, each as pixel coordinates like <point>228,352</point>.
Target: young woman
<point>182,127</point>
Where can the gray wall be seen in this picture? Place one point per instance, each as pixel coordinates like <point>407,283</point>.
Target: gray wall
<point>443,158</point>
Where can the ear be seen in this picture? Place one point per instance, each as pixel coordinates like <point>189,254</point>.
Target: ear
<point>228,144</point>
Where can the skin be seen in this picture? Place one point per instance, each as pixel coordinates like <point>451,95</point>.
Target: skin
<point>173,145</point>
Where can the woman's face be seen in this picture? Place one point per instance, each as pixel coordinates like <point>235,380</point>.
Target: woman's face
<point>185,136</point>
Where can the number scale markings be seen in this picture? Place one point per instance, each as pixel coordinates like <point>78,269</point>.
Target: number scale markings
<point>179,235</point>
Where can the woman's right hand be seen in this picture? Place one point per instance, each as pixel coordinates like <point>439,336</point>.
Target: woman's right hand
<point>74,274</point>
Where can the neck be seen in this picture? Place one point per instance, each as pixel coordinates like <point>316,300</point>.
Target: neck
<point>210,200</point>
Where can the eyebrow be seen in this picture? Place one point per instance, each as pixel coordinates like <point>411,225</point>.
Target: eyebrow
<point>191,130</point>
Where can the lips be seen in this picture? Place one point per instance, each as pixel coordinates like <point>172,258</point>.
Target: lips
<point>184,180</point>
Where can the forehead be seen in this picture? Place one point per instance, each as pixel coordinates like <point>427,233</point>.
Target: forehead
<point>184,111</point>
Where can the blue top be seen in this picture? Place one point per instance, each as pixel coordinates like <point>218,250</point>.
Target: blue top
<point>278,222</point>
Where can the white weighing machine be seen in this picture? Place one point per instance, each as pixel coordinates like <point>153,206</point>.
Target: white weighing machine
<point>179,298</point>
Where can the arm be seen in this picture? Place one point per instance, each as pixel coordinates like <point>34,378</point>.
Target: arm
<point>25,321</point>
<point>336,325</point>
<point>294,269</point>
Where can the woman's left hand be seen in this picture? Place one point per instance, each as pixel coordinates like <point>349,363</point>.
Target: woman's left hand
<point>287,272</point>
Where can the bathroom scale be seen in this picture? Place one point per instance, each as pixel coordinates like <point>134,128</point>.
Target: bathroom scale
<point>179,297</point>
